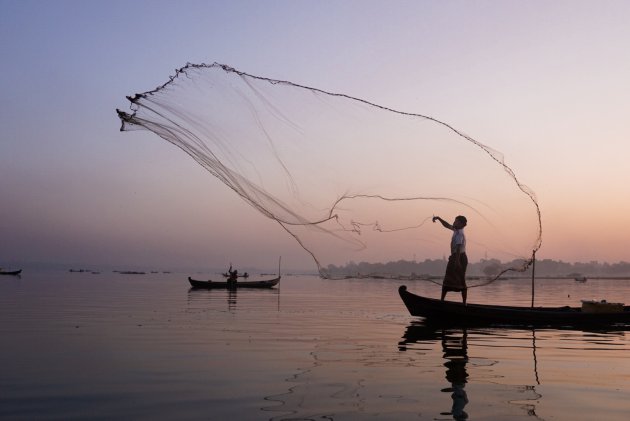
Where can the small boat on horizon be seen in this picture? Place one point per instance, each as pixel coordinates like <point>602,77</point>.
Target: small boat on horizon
<point>10,272</point>
<point>580,279</point>
<point>209,284</point>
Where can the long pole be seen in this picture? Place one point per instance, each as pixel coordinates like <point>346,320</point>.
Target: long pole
<point>533,275</point>
<point>279,277</point>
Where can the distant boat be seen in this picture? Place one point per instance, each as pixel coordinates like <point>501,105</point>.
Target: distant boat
<point>437,311</point>
<point>269,283</point>
<point>580,279</point>
<point>14,272</point>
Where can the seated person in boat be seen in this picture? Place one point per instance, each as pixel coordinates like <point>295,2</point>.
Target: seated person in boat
<point>455,276</point>
<point>233,275</point>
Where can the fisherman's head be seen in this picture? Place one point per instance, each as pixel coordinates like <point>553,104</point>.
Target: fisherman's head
<point>460,222</point>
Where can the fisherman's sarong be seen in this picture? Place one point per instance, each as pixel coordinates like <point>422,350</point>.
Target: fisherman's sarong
<point>455,276</point>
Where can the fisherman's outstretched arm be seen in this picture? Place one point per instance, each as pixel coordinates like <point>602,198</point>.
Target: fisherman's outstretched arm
<point>443,222</point>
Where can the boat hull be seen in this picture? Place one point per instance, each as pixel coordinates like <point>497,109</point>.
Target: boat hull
<point>453,312</point>
<point>269,283</point>
<point>15,272</point>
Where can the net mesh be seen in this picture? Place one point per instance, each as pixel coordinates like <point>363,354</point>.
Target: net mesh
<point>350,180</point>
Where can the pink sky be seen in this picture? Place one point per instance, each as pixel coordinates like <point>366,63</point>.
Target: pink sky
<point>545,83</point>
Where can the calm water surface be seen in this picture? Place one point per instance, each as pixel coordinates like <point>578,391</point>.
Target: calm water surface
<point>112,346</point>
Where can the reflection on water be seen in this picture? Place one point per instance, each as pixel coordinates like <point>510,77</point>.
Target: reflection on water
<point>535,359</point>
<point>139,347</point>
<point>456,354</point>
<point>460,359</point>
<point>230,296</point>
<point>589,367</point>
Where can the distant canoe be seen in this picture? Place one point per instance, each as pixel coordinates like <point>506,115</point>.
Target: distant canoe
<point>439,311</point>
<point>269,283</point>
<point>15,272</point>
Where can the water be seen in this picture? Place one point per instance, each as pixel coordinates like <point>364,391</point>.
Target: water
<point>113,346</point>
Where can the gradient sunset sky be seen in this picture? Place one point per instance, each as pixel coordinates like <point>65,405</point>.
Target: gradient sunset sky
<point>545,83</point>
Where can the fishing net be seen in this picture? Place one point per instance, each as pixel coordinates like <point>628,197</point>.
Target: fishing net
<point>350,180</point>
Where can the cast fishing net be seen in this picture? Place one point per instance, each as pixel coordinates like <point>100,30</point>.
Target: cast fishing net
<point>350,180</point>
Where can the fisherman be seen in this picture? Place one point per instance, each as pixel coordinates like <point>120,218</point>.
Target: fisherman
<point>233,275</point>
<point>455,276</point>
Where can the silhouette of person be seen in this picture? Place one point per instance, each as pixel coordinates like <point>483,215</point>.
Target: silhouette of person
<point>455,276</point>
<point>233,275</point>
<point>455,351</point>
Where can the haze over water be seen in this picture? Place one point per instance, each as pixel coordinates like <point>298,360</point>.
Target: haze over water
<point>113,346</point>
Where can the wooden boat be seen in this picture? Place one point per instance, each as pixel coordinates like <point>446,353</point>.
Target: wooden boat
<point>454,312</point>
<point>14,272</point>
<point>269,283</point>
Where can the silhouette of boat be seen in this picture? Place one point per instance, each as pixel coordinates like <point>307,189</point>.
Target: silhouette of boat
<point>453,312</point>
<point>14,272</point>
<point>268,283</point>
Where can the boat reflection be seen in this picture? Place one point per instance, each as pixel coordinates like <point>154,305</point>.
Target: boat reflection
<point>249,297</point>
<point>454,343</point>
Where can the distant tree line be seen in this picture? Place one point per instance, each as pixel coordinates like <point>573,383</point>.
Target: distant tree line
<point>485,267</point>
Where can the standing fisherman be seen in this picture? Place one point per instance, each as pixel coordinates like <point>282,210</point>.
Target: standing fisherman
<point>455,276</point>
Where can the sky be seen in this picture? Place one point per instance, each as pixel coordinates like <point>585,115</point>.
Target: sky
<point>544,83</point>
